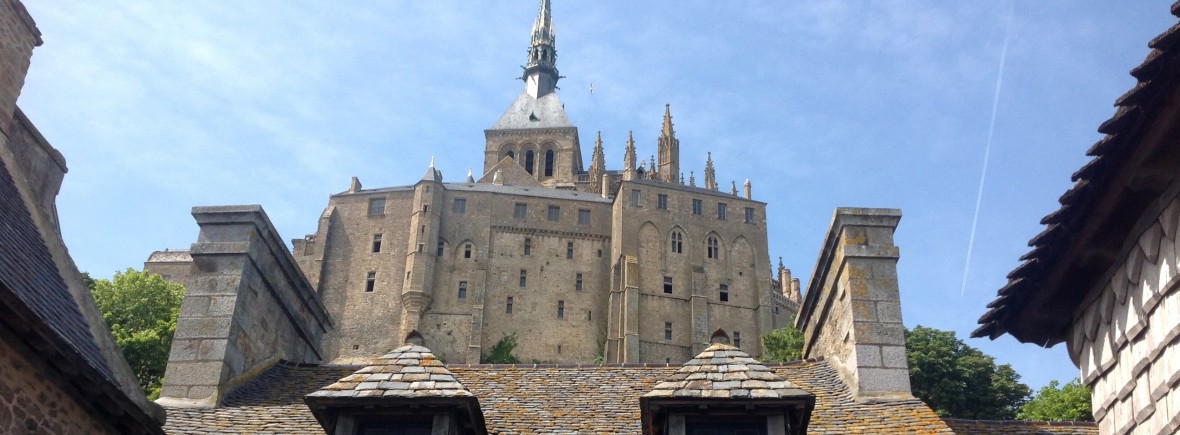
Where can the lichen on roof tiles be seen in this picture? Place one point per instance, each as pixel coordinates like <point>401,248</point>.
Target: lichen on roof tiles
<point>408,371</point>
<point>724,371</point>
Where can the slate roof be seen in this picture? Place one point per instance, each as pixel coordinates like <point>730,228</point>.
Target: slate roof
<point>540,398</point>
<point>1129,170</point>
<point>408,371</point>
<point>528,112</point>
<point>725,372</point>
<point>170,256</point>
<point>37,306</point>
<point>1016,427</point>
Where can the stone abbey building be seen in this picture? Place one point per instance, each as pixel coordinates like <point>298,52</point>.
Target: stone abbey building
<point>631,265</point>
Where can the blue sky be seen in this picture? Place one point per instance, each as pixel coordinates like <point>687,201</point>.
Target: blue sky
<point>160,106</point>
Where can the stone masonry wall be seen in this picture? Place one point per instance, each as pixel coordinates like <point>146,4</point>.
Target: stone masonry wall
<point>246,307</point>
<point>1124,338</point>
<point>851,314</point>
<point>30,402</point>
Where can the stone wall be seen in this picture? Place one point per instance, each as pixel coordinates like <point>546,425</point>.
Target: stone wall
<point>30,402</point>
<point>851,314</point>
<point>1125,337</point>
<point>247,306</point>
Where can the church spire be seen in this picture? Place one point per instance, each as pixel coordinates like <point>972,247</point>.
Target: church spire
<point>629,159</point>
<point>597,165</point>
<point>710,175</point>
<point>669,149</point>
<point>540,73</point>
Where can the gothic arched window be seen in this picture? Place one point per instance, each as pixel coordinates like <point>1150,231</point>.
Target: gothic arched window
<point>677,242</point>
<point>549,163</point>
<point>528,161</point>
<point>712,250</point>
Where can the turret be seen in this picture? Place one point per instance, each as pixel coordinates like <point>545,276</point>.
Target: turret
<point>629,159</point>
<point>710,176</point>
<point>425,222</point>
<point>597,165</point>
<point>669,150</point>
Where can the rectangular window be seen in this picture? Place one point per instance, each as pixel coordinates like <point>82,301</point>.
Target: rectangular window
<point>724,296</point>
<point>462,289</point>
<point>467,251</point>
<point>589,315</point>
<point>528,247</point>
<point>508,306</point>
<point>599,253</point>
<point>578,283</point>
<point>376,243</point>
<point>635,197</point>
<point>749,215</point>
<point>523,277</point>
<point>668,284</point>
<point>370,281</point>
<point>696,207</point>
<point>737,339</point>
<point>662,202</point>
<point>521,210</point>
<point>569,250</point>
<point>721,211</point>
<point>425,208</point>
<point>459,206</point>
<point>554,213</point>
<point>560,309</point>
<point>441,247</point>
<point>667,330</point>
<point>583,216</point>
<point>376,206</point>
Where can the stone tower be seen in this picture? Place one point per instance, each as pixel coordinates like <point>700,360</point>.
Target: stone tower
<point>535,132</point>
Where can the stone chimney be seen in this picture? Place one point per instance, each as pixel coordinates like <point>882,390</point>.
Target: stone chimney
<point>851,315</point>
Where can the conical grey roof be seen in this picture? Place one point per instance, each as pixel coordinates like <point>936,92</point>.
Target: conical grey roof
<point>408,371</point>
<point>724,371</point>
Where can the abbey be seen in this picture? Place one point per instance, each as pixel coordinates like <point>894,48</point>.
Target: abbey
<point>631,265</point>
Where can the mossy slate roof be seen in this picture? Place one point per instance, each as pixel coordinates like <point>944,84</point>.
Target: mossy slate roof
<point>540,398</point>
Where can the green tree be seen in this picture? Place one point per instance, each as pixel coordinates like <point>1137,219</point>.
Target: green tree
<point>782,344</point>
<point>501,352</point>
<point>141,309</point>
<point>960,381</point>
<point>1070,402</point>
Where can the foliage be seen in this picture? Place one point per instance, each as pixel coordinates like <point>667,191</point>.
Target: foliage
<point>782,344</point>
<point>501,352</point>
<point>141,309</point>
<point>1070,402</point>
<point>960,381</point>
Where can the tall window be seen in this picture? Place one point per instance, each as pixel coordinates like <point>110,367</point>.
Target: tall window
<point>697,205</point>
<point>370,281</point>
<point>721,211</point>
<point>508,306</point>
<point>467,251</point>
<point>583,216</point>
<point>523,277</point>
<point>677,242</point>
<point>560,309</point>
<point>521,211</point>
<point>662,201</point>
<point>554,213</point>
<point>377,243</point>
<point>528,161</point>
<point>737,339</point>
<point>528,247</point>
<point>459,206</point>
<point>667,330</point>
<point>724,292</point>
<point>711,249</point>
<point>569,250</point>
<point>462,289</point>
<point>668,284</point>
<point>578,283</point>
<point>749,215</point>
<point>549,163</point>
<point>441,247</point>
<point>635,197</point>
<point>376,206</point>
